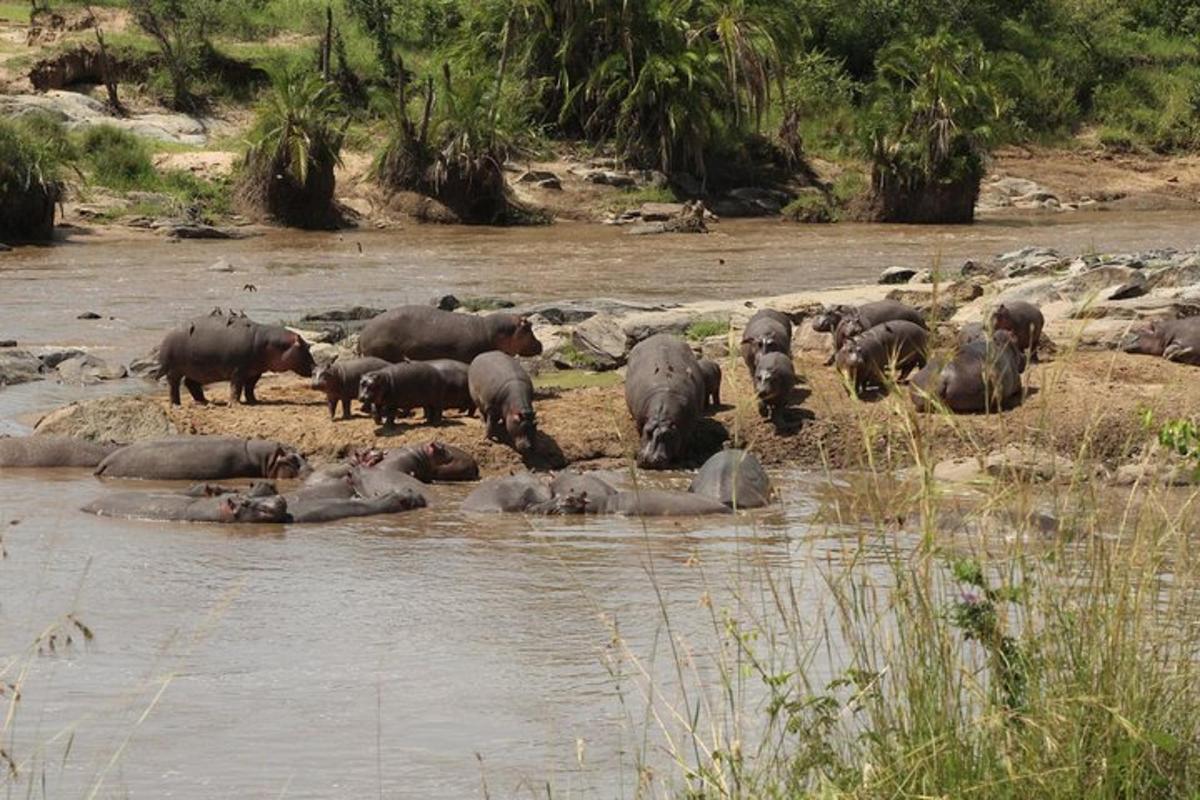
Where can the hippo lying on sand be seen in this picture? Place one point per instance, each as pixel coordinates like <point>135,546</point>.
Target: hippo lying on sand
<point>52,451</point>
<point>203,458</point>
<point>422,333</point>
<point>232,348</point>
<point>513,493</point>
<point>1173,339</point>
<point>735,478</point>
<point>664,392</point>
<point>186,508</point>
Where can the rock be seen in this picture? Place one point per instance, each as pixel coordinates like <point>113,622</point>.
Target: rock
<point>1003,192</point>
<point>316,336</point>
<point>655,179</point>
<point>1148,307</point>
<point>76,110</point>
<point>19,366</point>
<point>485,303</point>
<point>687,184</point>
<point>53,356</point>
<point>660,212</point>
<point>221,265</point>
<point>1157,473</point>
<point>196,230</point>
<point>1028,465</point>
<point>352,314</point>
<point>4,248</point>
<point>89,369</point>
<point>642,326</point>
<point>897,275</point>
<point>959,470</point>
<point>8,342</point>
<point>572,312</point>
<point>805,339</point>
<point>1095,281</point>
<point>618,180</point>
<point>445,302</point>
<point>147,366</point>
<point>1128,291</point>
<point>750,201</point>
<point>602,339</point>
<point>923,300</point>
<point>89,315</point>
<point>538,176</point>
<point>116,419</point>
<point>1030,261</point>
<point>553,184</point>
<point>647,229</point>
<point>1185,273</point>
<point>715,347</point>
<point>324,354</point>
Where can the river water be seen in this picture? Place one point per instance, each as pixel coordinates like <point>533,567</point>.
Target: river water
<point>425,656</point>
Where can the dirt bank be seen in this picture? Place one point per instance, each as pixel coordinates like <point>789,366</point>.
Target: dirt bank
<point>1081,404</point>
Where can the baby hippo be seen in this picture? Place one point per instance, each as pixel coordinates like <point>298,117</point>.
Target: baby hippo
<point>711,372</point>
<point>768,331</point>
<point>868,359</point>
<point>340,382</point>
<point>1173,339</point>
<point>774,379</point>
<point>1024,321</point>
<point>402,387</point>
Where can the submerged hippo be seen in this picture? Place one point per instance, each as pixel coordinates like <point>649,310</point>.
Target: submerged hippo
<point>432,461</point>
<point>774,379</point>
<point>185,508</point>
<point>711,372</point>
<point>203,458</point>
<point>517,493</point>
<point>1173,339</point>
<point>664,392</point>
<point>662,503</point>
<point>591,490</point>
<point>503,392</point>
<point>340,382</point>
<point>233,348</point>
<point>735,478</point>
<point>52,451</point>
<point>308,506</point>
<point>1024,321</point>
<point>869,359</point>
<point>983,376</point>
<point>402,387</point>
<point>768,331</point>
<point>379,480</point>
<point>423,333</point>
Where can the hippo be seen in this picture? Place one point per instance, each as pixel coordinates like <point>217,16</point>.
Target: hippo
<point>514,493</point>
<point>422,333</point>
<point>503,392</point>
<point>735,478</point>
<point>432,461</point>
<point>774,379</point>
<point>868,359</point>
<point>984,375</point>
<point>379,480</point>
<point>826,320</point>
<point>971,332</point>
<point>454,377</point>
<point>401,387</point>
<point>711,372</point>
<point>203,458</point>
<point>306,506</point>
<point>256,489</point>
<point>662,503</point>
<point>846,322</point>
<point>52,451</point>
<point>664,392</point>
<point>1024,321</point>
<point>235,507</point>
<point>1173,339</point>
<point>220,347</point>
<point>768,331</point>
<point>340,382</point>
<point>590,491</point>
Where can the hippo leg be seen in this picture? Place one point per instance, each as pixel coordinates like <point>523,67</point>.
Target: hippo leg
<point>345,408</point>
<point>173,382</point>
<point>195,389</point>
<point>829,361</point>
<point>332,403</point>
<point>235,390</point>
<point>433,415</point>
<point>764,410</point>
<point>248,390</point>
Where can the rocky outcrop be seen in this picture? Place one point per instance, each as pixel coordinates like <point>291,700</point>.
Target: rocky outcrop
<point>110,419</point>
<point>78,111</point>
<point>19,366</point>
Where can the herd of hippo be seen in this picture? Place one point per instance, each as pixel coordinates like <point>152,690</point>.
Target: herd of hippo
<point>419,356</point>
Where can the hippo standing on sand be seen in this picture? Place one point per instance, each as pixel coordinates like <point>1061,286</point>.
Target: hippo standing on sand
<point>711,372</point>
<point>340,382</point>
<point>768,331</point>
<point>503,392</point>
<point>232,348</point>
<point>236,507</point>
<point>735,478</point>
<point>52,451</point>
<point>983,376</point>
<point>867,360</point>
<point>203,458</point>
<point>457,392</point>
<point>846,322</point>
<point>1024,321</point>
<point>422,333</point>
<point>774,379</point>
<point>1173,339</point>
<point>664,391</point>
<point>402,387</point>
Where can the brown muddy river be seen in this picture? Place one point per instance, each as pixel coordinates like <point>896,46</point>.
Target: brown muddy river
<point>419,656</point>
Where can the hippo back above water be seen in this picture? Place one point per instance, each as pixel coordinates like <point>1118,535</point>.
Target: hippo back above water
<point>424,333</point>
<point>229,347</point>
<point>203,458</point>
<point>664,391</point>
<point>52,451</point>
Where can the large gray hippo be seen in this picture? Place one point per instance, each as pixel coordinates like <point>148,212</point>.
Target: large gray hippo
<point>768,331</point>
<point>664,391</point>
<point>457,390</point>
<point>422,333</point>
<point>236,507</point>
<point>868,359</point>
<point>517,493</point>
<point>203,458</point>
<point>52,451</point>
<point>1173,339</point>
<point>735,478</point>
<point>233,348</point>
<point>432,461</point>
<point>983,376</point>
<point>340,382</point>
<point>503,392</point>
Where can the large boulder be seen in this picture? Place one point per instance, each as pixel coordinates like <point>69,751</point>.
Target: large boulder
<point>19,366</point>
<point>601,339</point>
<point>115,419</point>
<point>88,369</point>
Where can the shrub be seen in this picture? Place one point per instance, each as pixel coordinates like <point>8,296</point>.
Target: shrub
<point>30,180</point>
<point>118,159</point>
<point>704,328</point>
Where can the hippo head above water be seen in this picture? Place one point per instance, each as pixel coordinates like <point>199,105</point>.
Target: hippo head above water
<point>288,352</point>
<point>244,508</point>
<point>1147,340</point>
<point>285,463</point>
<point>514,336</point>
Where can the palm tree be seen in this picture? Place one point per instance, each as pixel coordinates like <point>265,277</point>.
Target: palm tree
<point>295,146</point>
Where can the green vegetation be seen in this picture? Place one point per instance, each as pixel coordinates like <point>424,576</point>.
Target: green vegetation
<point>810,205</point>
<point>32,157</point>
<point>704,328</point>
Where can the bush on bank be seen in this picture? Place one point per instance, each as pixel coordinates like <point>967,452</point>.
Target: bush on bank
<point>30,182</point>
